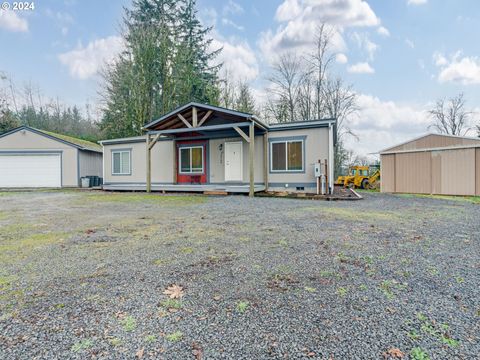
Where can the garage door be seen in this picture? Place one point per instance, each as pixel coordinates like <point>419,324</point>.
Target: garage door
<point>30,170</point>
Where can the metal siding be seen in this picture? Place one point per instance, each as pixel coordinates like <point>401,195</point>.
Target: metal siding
<point>434,141</point>
<point>387,166</point>
<point>413,173</point>
<point>436,172</point>
<point>90,163</point>
<point>477,171</point>
<point>458,172</point>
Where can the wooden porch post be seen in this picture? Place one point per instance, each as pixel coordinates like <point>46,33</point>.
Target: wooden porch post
<point>251,157</point>
<point>149,165</point>
<point>265,160</point>
<point>174,161</point>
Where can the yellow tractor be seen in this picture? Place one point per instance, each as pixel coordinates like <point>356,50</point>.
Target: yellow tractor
<point>359,177</point>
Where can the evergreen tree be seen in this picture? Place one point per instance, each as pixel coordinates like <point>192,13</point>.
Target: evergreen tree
<point>167,62</point>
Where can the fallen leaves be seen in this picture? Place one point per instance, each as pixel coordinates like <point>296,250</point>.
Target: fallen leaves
<point>394,353</point>
<point>197,351</point>
<point>139,353</point>
<point>174,291</point>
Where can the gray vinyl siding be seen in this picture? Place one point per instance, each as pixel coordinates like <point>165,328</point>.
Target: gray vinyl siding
<point>90,163</point>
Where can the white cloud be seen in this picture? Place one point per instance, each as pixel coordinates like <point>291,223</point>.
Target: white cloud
<point>381,124</point>
<point>233,8</point>
<point>10,21</point>
<point>341,58</point>
<point>439,59</point>
<point>364,43</point>
<point>229,22</point>
<point>298,21</point>
<point>410,43</point>
<point>463,70</point>
<point>361,68</point>
<point>383,31</point>
<point>85,62</point>
<point>416,2</point>
<point>237,57</point>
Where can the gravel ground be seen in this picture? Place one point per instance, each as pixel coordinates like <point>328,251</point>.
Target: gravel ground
<point>83,275</point>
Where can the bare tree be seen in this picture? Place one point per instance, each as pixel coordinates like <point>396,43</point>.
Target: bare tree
<point>340,104</point>
<point>450,116</point>
<point>320,61</point>
<point>286,79</point>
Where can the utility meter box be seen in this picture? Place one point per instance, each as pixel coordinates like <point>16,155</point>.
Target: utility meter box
<point>318,169</point>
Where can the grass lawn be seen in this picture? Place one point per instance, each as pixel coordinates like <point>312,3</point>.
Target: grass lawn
<point>122,275</point>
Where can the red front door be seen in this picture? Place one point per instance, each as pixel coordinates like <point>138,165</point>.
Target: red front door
<point>192,162</point>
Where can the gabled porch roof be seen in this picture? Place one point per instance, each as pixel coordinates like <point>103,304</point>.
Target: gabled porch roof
<point>194,115</point>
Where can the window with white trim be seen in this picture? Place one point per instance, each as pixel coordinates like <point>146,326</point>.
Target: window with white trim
<point>191,160</point>
<point>286,156</point>
<point>121,162</point>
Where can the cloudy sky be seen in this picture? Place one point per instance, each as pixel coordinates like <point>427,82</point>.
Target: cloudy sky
<point>399,55</point>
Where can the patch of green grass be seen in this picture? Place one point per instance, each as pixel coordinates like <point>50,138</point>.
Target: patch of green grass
<point>355,214</point>
<point>177,200</point>
<point>20,246</point>
<point>432,270</point>
<point>342,291</point>
<point>175,336</point>
<point>128,323</point>
<point>449,341</point>
<point>242,306</point>
<point>186,250</point>
<point>363,287</point>
<point>470,199</point>
<point>171,304</point>
<point>327,273</point>
<point>418,354</point>
<point>150,338</point>
<point>459,280</point>
<point>412,334</point>
<point>388,287</point>
<point>115,341</point>
<point>282,242</point>
<point>82,345</point>
<point>161,262</point>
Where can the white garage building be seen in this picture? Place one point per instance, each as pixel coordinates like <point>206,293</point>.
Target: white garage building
<point>32,158</point>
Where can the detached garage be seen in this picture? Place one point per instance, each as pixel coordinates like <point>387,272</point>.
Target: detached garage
<point>432,164</point>
<point>32,158</point>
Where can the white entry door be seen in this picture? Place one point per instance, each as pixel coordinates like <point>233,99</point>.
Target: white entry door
<point>233,161</point>
<point>30,170</point>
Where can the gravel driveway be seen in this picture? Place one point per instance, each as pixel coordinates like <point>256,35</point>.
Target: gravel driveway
<point>83,275</point>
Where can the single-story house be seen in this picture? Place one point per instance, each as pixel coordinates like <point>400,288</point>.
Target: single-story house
<point>432,164</point>
<point>199,147</point>
<point>35,158</point>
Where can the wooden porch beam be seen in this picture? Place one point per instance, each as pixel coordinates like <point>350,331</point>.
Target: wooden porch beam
<point>242,134</point>
<point>154,141</point>
<point>180,116</point>
<point>205,117</point>
<point>265,160</point>
<point>194,117</point>
<point>251,158</point>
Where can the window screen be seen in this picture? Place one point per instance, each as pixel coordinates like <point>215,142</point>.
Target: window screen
<point>191,160</point>
<point>287,155</point>
<point>121,163</point>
